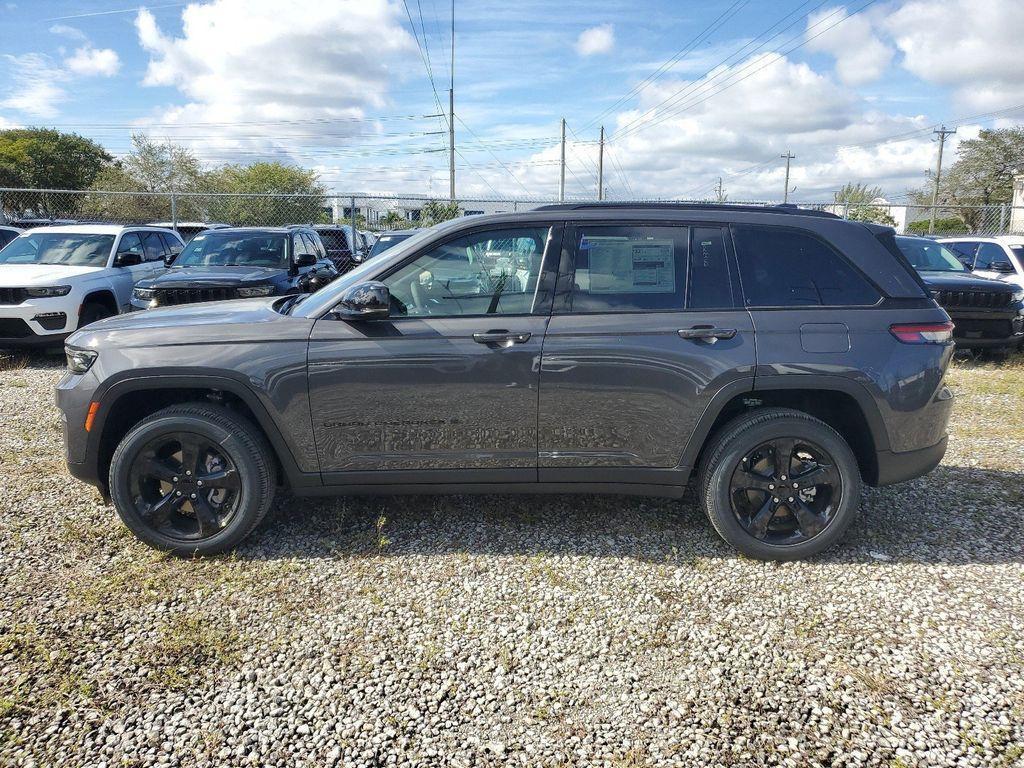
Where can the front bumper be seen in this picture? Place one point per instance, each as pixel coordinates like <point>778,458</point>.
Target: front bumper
<point>986,330</point>
<point>37,322</point>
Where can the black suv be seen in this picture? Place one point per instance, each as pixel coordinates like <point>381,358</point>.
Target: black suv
<point>781,357</point>
<point>986,313</point>
<point>240,263</point>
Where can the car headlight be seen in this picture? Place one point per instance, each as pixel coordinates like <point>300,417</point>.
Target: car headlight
<point>143,294</point>
<point>48,291</point>
<point>255,290</point>
<point>80,360</point>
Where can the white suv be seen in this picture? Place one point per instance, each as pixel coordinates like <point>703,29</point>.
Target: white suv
<point>1001,257</point>
<point>54,280</point>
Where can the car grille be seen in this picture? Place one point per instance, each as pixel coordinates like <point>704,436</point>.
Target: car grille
<point>989,299</point>
<point>164,297</point>
<point>12,295</point>
<point>14,328</point>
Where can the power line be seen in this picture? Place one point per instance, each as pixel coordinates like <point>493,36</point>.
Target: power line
<point>479,141</point>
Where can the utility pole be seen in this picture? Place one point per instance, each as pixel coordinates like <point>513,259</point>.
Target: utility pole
<point>788,156</point>
<point>561,177</point>
<point>942,133</point>
<point>451,117</point>
<point>719,191</point>
<point>600,167</point>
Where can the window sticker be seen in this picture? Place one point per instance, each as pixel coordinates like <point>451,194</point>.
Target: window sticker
<point>620,265</point>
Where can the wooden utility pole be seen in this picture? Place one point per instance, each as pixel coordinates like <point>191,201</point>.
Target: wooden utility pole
<point>942,133</point>
<point>788,156</point>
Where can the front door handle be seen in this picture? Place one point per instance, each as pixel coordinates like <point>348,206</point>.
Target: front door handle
<point>707,333</point>
<point>502,338</point>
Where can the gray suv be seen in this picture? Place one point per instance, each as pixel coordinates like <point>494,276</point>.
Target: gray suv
<point>779,357</point>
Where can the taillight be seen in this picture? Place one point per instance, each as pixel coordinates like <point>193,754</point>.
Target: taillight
<point>922,333</point>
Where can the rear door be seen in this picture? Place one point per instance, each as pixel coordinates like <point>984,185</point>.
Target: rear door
<point>646,328</point>
<point>130,246</point>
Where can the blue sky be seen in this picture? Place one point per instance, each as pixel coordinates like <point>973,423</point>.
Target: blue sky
<point>687,91</point>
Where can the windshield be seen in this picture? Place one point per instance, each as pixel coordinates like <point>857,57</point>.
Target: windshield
<point>235,249</point>
<point>66,249</point>
<point>386,241</point>
<point>929,256</point>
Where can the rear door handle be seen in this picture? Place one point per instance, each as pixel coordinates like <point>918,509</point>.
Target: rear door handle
<point>502,338</point>
<point>707,333</point>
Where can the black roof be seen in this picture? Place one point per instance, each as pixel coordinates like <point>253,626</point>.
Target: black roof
<point>784,208</point>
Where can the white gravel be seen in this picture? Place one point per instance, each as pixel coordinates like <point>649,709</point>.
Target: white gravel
<point>554,631</point>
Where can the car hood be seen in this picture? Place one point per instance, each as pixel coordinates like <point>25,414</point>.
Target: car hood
<point>207,322</point>
<point>213,277</point>
<point>31,275</point>
<point>964,281</point>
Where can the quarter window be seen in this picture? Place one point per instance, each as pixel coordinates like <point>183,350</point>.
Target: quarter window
<point>785,268</point>
<point>629,269</point>
<point>495,272</point>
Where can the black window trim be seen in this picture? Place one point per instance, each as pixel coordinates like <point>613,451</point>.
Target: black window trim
<point>572,228</point>
<point>545,283</point>
<point>882,295</point>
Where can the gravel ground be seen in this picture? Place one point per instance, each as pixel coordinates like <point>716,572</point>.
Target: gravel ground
<point>516,630</point>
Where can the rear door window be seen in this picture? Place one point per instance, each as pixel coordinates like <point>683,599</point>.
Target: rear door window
<point>154,246</point>
<point>628,269</point>
<point>709,279</point>
<point>788,268</point>
<point>965,249</point>
<point>990,254</point>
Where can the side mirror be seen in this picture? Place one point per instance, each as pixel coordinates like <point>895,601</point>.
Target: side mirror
<point>169,259</point>
<point>305,260</point>
<point>365,301</point>
<point>1004,267</point>
<point>127,260</point>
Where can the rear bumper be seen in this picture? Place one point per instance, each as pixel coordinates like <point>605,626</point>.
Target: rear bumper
<point>898,467</point>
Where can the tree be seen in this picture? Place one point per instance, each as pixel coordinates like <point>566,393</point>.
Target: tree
<point>858,202</point>
<point>434,212</point>
<point>289,195</point>
<point>393,220</point>
<point>43,158</point>
<point>981,175</point>
<point>152,170</point>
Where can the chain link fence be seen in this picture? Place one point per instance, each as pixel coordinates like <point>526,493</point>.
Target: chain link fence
<point>28,207</point>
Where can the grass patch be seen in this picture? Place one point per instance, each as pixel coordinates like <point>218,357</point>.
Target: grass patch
<point>191,644</point>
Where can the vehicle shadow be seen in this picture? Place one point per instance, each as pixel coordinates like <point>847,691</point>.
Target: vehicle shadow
<point>954,515</point>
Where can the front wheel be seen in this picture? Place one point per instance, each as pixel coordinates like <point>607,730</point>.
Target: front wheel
<point>779,484</point>
<point>192,479</point>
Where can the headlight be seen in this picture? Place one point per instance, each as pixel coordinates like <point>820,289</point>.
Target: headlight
<point>143,294</point>
<point>49,291</point>
<point>80,360</point>
<point>256,290</point>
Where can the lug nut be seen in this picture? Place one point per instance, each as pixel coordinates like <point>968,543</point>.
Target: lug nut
<point>776,499</point>
<point>193,496</point>
<point>179,493</point>
<point>200,483</point>
<point>795,485</point>
<point>175,479</point>
<point>783,477</point>
<point>189,473</point>
<point>771,486</point>
<point>790,498</point>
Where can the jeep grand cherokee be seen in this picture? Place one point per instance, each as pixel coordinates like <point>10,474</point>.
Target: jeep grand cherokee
<point>781,357</point>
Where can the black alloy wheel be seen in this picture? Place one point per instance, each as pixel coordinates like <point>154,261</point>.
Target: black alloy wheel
<point>785,491</point>
<point>184,486</point>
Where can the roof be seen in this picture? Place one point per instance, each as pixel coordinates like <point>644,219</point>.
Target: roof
<point>207,224</point>
<point>98,229</point>
<point>266,230</point>
<point>785,208</point>
<point>1002,239</point>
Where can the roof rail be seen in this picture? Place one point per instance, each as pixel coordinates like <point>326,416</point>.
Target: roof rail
<point>787,208</point>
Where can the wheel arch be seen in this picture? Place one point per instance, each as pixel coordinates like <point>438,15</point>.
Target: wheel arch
<point>842,403</point>
<point>103,296</point>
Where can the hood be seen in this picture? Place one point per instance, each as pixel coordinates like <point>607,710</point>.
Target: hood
<point>964,281</point>
<point>203,323</point>
<point>213,277</point>
<point>33,275</point>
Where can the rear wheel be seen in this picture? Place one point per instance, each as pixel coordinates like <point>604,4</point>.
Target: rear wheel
<point>779,484</point>
<point>192,479</point>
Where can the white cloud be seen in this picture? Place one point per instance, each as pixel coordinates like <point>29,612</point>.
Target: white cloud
<point>596,40</point>
<point>240,62</point>
<point>65,30</point>
<point>88,62</point>
<point>34,88</point>
<point>861,55</point>
<point>972,46</point>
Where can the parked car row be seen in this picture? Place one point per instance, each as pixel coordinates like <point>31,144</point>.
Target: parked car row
<point>58,278</point>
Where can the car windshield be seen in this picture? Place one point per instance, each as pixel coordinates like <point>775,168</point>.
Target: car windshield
<point>235,249</point>
<point>59,248</point>
<point>386,241</point>
<point>929,256</point>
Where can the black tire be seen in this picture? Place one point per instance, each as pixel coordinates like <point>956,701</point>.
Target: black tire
<point>743,440</point>
<point>243,451</point>
<point>93,311</point>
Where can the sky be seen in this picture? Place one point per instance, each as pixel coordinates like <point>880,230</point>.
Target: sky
<point>688,92</point>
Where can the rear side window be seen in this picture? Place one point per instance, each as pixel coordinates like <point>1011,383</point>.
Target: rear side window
<point>629,269</point>
<point>710,286</point>
<point>335,241</point>
<point>990,254</point>
<point>787,268</point>
<point>154,245</point>
<point>965,249</point>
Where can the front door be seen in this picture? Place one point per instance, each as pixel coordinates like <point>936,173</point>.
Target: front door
<point>646,328</point>
<point>445,390</point>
